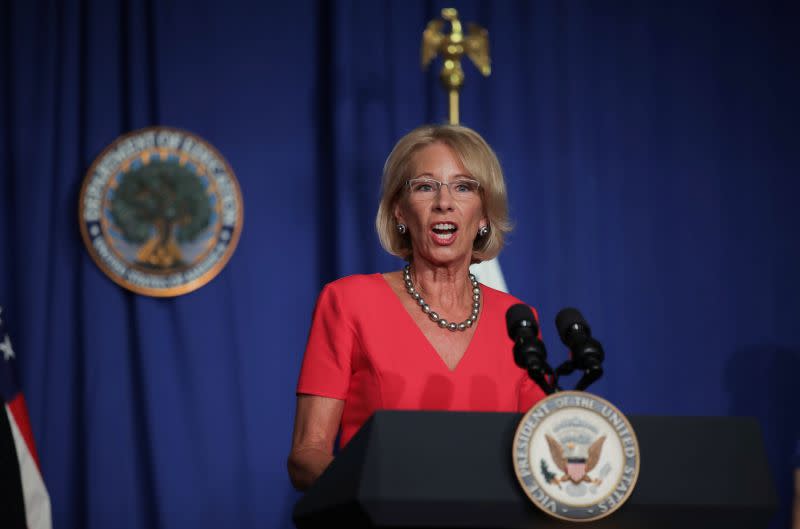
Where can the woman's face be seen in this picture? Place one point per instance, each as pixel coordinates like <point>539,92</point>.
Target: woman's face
<point>442,224</point>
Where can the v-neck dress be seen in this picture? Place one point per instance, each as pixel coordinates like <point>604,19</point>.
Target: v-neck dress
<point>366,349</point>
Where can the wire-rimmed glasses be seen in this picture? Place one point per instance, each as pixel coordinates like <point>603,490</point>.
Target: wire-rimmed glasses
<point>427,188</point>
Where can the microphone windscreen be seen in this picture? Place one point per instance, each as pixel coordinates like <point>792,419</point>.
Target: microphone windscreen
<point>515,315</point>
<point>566,318</point>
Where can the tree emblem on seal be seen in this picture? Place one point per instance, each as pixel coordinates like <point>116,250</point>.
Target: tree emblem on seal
<point>157,205</point>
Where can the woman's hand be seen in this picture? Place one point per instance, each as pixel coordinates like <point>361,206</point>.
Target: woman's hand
<point>316,424</point>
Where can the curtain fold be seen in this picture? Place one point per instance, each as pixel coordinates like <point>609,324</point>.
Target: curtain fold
<point>651,165</point>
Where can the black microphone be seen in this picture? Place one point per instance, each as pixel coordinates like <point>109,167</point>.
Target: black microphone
<point>586,353</point>
<point>529,351</point>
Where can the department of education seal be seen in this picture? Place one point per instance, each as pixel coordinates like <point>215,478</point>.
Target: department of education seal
<point>576,456</point>
<point>160,211</point>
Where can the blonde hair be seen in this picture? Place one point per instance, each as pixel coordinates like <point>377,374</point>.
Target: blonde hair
<point>480,162</point>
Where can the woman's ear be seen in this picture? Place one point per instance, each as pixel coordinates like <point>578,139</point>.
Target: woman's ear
<point>398,214</point>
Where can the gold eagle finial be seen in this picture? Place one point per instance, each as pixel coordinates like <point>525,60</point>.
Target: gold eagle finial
<point>475,44</point>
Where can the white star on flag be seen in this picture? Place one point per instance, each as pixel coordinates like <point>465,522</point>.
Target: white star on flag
<point>5,347</point>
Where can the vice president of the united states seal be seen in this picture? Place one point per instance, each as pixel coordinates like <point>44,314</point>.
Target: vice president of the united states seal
<point>576,456</point>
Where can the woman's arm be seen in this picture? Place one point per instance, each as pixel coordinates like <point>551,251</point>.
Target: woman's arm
<point>316,424</point>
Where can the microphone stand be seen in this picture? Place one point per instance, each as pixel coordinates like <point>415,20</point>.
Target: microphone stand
<point>590,363</point>
<point>590,375</point>
<point>585,352</point>
<point>529,354</point>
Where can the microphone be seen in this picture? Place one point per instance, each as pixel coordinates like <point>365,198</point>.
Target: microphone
<point>529,351</point>
<point>586,353</point>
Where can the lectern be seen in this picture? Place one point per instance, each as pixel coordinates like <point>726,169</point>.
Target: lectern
<point>454,469</point>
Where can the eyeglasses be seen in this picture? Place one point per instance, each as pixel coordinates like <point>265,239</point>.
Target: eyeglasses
<point>427,188</point>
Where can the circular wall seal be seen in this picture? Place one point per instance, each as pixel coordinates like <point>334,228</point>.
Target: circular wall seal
<point>576,456</point>
<point>160,211</point>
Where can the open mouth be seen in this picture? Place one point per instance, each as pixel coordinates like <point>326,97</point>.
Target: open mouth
<point>444,231</point>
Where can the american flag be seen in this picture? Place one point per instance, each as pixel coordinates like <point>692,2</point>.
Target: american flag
<point>489,273</point>
<point>24,501</point>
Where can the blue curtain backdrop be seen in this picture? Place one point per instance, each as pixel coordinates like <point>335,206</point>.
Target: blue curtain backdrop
<point>651,153</point>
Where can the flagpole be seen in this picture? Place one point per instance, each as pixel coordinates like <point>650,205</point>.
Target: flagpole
<point>452,47</point>
<point>454,107</point>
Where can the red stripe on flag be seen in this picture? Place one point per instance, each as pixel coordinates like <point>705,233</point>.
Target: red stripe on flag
<point>20,412</point>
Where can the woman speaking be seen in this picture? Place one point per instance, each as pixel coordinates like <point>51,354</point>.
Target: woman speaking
<point>429,336</point>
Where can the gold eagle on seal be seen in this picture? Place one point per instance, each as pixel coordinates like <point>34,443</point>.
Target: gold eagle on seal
<point>574,462</point>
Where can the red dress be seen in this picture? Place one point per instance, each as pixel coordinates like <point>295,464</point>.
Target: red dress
<point>366,349</point>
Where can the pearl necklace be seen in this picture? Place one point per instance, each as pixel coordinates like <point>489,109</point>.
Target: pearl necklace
<point>443,323</point>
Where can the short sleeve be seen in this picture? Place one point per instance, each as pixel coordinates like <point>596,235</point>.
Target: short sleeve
<point>327,359</point>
